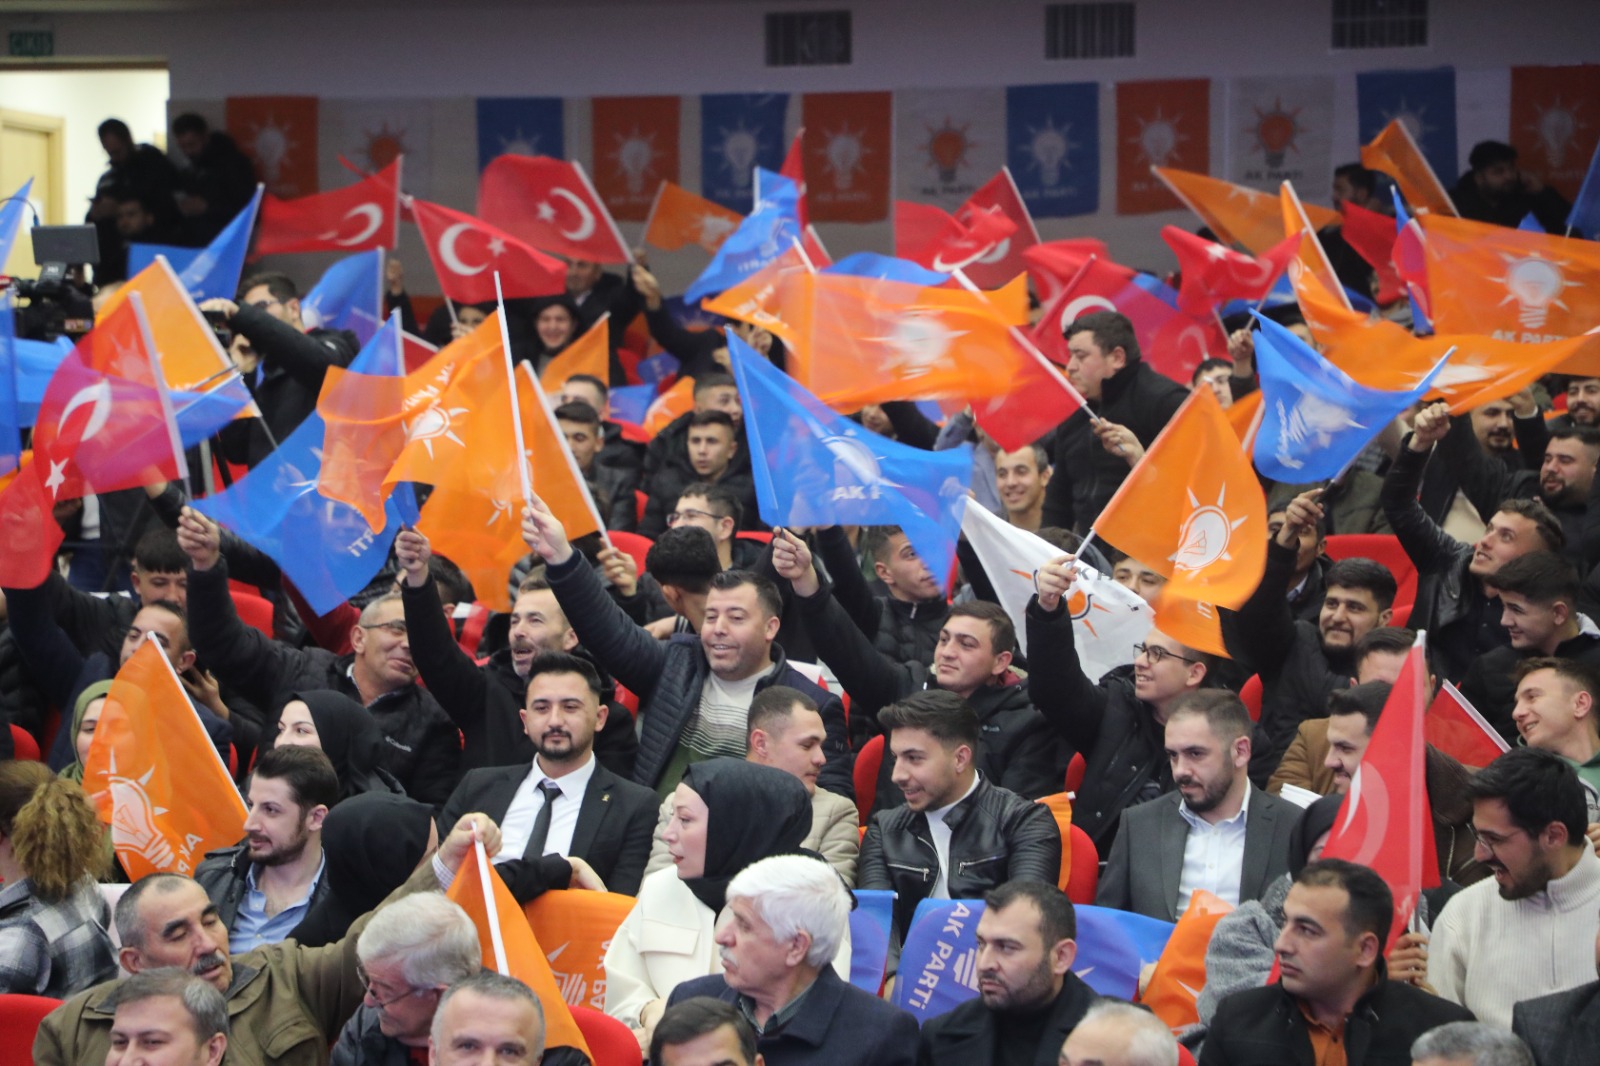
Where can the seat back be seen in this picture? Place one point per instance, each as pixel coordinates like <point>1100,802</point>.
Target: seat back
<point>19,1020</point>
<point>1250,696</point>
<point>23,746</point>
<point>1085,876</point>
<point>635,544</point>
<point>865,775</point>
<point>254,611</point>
<point>610,1042</point>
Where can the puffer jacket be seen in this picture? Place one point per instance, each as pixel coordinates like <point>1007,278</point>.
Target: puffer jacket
<point>995,836</point>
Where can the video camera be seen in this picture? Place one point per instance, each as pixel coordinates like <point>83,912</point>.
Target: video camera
<point>56,304</point>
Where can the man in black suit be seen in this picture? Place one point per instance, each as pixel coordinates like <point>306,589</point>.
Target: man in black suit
<point>1029,1000</point>
<point>790,914</point>
<point>1216,832</point>
<point>1563,1028</point>
<point>567,818</point>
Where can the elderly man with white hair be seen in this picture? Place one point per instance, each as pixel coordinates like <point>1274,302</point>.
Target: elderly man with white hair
<point>1114,1033</point>
<point>787,917</point>
<point>1471,1044</point>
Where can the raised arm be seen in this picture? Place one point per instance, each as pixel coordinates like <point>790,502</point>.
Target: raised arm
<point>1073,704</point>
<point>1428,546</point>
<point>450,674</point>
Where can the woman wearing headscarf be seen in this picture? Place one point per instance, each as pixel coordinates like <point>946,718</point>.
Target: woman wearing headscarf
<point>85,719</point>
<point>371,843</point>
<point>726,814</point>
<point>53,919</point>
<point>346,733</point>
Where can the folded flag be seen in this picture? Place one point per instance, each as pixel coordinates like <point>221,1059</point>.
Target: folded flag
<point>1372,236</point>
<point>771,228</point>
<point>349,295</point>
<point>1213,274</point>
<point>1395,153</point>
<point>926,235</point>
<point>1455,727</point>
<point>939,962</point>
<point>588,354</point>
<point>1237,214</point>
<point>1054,265</point>
<point>870,923</point>
<point>1115,946</point>
<point>352,219</point>
<point>1180,974</point>
<point>214,273</point>
<point>1005,260</point>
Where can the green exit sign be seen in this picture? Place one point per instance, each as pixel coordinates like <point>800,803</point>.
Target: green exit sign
<point>32,43</point>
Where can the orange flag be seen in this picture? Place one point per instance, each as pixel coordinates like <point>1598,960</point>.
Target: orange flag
<point>1309,258</point>
<point>481,535</point>
<point>1394,153</point>
<point>1245,417</point>
<point>154,775</point>
<point>1235,213</point>
<point>1192,508</point>
<point>679,218</point>
<point>1060,805</point>
<point>1509,283</point>
<point>755,299</point>
<point>1193,623</point>
<point>589,354</point>
<point>1180,973</point>
<point>373,420</point>
<point>509,946</point>
<point>670,405</point>
<point>578,925</point>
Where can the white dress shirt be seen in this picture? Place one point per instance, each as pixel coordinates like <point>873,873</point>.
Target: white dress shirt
<point>517,826</point>
<point>1213,855</point>
<point>941,842</point>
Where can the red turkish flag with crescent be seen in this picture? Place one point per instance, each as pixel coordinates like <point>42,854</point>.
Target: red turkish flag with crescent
<point>550,204</point>
<point>356,218</point>
<point>1386,821</point>
<point>467,253</point>
<point>1214,273</point>
<point>1004,261</point>
<point>927,236</point>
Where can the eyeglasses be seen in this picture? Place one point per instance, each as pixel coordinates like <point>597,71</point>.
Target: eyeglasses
<point>262,305</point>
<point>1158,654</point>
<point>397,627</point>
<point>1494,841</point>
<point>689,512</point>
<point>385,1004</point>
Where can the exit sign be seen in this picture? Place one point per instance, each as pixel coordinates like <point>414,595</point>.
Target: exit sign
<point>31,43</point>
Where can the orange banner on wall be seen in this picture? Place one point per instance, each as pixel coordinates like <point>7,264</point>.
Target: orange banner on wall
<point>279,134</point>
<point>848,149</point>
<point>1160,124</point>
<point>635,142</point>
<point>1555,122</point>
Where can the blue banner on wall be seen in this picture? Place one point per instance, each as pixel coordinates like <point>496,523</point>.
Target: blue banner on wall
<point>1053,147</point>
<point>520,125</point>
<point>1425,100</point>
<point>738,132</point>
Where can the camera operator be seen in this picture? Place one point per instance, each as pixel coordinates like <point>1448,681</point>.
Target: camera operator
<point>283,365</point>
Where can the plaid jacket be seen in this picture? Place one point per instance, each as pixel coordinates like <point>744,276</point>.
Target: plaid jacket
<point>54,949</point>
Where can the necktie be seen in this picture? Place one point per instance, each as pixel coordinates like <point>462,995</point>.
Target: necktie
<point>541,822</point>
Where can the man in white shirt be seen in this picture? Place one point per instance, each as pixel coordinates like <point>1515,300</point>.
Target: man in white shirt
<point>1215,833</point>
<point>565,818</point>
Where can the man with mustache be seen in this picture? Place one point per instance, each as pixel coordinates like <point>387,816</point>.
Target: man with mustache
<point>574,822</point>
<point>1232,840</point>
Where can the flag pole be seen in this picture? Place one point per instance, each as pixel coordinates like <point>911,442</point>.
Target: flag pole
<point>511,383</point>
<point>650,219</point>
<point>490,906</point>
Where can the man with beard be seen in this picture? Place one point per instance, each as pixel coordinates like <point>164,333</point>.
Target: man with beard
<point>571,819</point>
<point>1029,1000</point>
<point>485,702</point>
<point>1529,931</point>
<point>1565,458</point>
<point>1233,840</point>
<point>264,886</point>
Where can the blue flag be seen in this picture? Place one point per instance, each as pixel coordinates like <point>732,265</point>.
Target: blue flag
<point>1583,219</point>
<point>11,219</point>
<point>1315,417</point>
<point>630,403</point>
<point>1529,224</point>
<point>1053,147</point>
<point>939,962</point>
<point>658,368</point>
<point>179,259</point>
<point>770,230</point>
<point>326,548</point>
<point>10,417</point>
<point>211,272</point>
<point>1113,946</point>
<point>887,267</point>
<point>35,362</point>
<point>869,937</point>
<point>691,315</point>
<point>520,125</point>
<point>348,296</point>
<point>201,414</point>
<point>814,467</point>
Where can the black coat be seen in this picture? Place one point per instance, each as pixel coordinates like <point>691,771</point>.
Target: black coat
<point>667,472</point>
<point>1561,1029</point>
<point>222,874</point>
<point>287,381</point>
<point>966,1036</point>
<point>1265,1027</point>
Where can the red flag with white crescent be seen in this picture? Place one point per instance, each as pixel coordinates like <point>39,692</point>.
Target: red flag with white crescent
<point>1004,260</point>
<point>356,218</point>
<point>550,204</point>
<point>467,253</point>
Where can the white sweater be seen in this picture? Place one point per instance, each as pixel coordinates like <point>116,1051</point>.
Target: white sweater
<point>1489,954</point>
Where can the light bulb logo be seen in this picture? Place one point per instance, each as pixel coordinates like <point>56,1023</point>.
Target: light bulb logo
<point>1048,148</point>
<point>947,148</point>
<point>133,817</point>
<point>635,156</point>
<point>1309,426</point>
<point>520,143</point>
<point>1158,138</point>
<point>435,423</point>
<point>711,230</point>
<point>1536,285</point>
<point>1556,127</point>
<point>384,146</point>
<point>919,340</point>
<point>844,154</point>
<point>1275,132</point>
<point>739,148</point>
<point>1203,537</point>
<point>272,146</point>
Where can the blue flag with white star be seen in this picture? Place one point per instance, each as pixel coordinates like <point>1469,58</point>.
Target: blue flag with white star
<point>325,547</point>
<point>814,467</point>
<point>1315,417</point>
<point>766,233</point>
<point>349,296</point>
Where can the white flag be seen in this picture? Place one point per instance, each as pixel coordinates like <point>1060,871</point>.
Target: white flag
<point>1107,619</point>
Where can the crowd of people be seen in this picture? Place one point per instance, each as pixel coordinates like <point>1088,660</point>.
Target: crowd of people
<point>692,733</point>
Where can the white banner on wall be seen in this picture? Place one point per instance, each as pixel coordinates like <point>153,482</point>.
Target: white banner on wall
<point>948,142</point>
<point>1281,129</point>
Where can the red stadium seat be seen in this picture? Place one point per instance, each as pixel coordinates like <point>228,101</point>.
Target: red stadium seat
<point>611,1042</point>
<point>1085,876</point>
<point>635,544</point>
<point>19,1021</point>
<point>1383,548</point>
<point>254,611</point>
<point>23,746</point>
<point>1251,697</point>
<point>1075,770</point>
<point>628,699</point>
<point>641,500</point>
<point>865,775</point>
<point>760,536</point>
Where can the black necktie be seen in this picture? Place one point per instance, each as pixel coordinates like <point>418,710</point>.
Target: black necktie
<point>541,822</point>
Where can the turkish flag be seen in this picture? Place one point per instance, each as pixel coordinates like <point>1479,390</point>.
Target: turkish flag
<point>1455,727</point>
<point>1004,261</point>
<point>355,218</point>
<point>1386,821</point>
<point>1372,236</point>
<point>468,252</point>
<point>550,204</point>
<point>1213,273</point>
<point>927,236</point>
<point>1040,399</point>
<point>1054,265</point>
<point>794,168</point>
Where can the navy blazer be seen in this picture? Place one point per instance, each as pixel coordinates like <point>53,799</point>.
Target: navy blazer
<point>837,1025</point>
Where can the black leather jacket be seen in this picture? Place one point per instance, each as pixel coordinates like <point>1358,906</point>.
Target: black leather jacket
<point>222,874</point>
<point>995,836</point>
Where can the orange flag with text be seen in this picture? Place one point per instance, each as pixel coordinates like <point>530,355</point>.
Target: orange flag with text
<point>578,926</point>
<point>1509,283</point>
<point>679,218</point>
<point>1394,153</point>
<point>1235,213</point>
<point>589,354</point>
<point>1180,973</point>
<point>153,774</point>
<point>1192,508</point>
<point>509,946</point>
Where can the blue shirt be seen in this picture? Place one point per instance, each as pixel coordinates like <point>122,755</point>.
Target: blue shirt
<point>251,926</point>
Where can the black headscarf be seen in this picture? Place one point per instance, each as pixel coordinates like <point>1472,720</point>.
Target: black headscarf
<point>754,812</point>
<point>351,740</point>
<point>371,844</point>
<point>1317,819</point>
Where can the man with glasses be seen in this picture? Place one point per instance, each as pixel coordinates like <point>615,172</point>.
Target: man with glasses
<point>1530,931</point>
<point>286,362</point>
<point>422,747</point>
<point>718,510</point>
